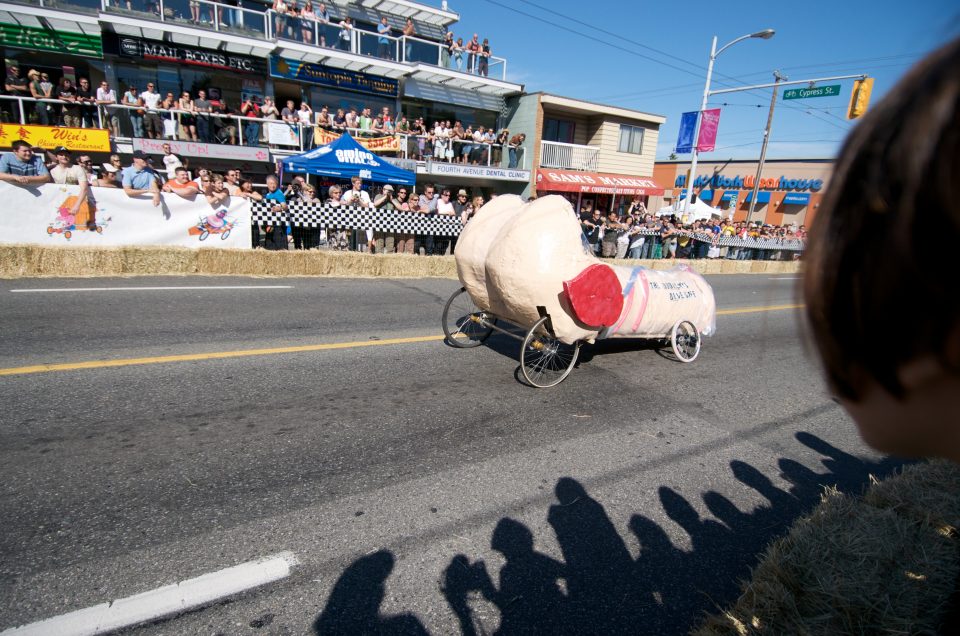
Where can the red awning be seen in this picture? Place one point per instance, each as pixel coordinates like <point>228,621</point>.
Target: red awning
<point>550,180</point>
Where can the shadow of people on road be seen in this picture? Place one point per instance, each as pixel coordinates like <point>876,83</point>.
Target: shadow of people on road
<point>600,587</point>
<point>354,603</point>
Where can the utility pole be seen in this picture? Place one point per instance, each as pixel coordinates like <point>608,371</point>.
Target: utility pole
<point>777,78</point>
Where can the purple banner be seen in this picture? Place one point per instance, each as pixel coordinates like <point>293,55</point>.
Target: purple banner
<point>685,139</point>
<point>707,139</point>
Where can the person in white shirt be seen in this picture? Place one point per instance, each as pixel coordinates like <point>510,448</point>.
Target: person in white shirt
<point>67,173</point>
<point>359,197</point>
<point>151,121</point>
<point>170,162</point>
<point>305,117</point>
<point>105,97</point>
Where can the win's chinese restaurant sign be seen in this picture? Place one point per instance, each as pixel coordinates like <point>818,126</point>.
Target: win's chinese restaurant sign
<point>44,39</point>
<point>49,137</point>
<point>333,77</point>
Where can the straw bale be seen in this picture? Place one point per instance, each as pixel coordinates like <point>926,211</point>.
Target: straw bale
<point>883,563</point>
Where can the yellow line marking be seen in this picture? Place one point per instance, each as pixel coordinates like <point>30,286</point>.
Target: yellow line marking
<point>754,310</point>
<point>221,355</point>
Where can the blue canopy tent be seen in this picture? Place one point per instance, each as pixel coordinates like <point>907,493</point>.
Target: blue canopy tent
<point>344,158</point>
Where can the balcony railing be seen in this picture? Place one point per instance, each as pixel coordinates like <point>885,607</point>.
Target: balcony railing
<point>554,154</point>
<point>269,25</point>
<point>235,129</point>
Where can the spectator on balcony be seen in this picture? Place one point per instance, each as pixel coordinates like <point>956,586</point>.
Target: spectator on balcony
<point>323,119</point>
<point>269,109</point>
<point>107,98</point>
<point>251,129</point>
<point>473,52</point>
<point>366,122</point>
<point>289,113</point>
<point>188,117</point>
<point>15,86</point>
<point>138,178</point>
<point>479,153</point>
<point>515,146</point>
<point>456,54</point>
<point>446,47</point>
<point>225,125</point>
<point>483,66</point>
<point>387,118</point>
<point>322,14</point>
<point>409,31</point>
<point>152,124</point>
<point>22,166</point>
<point>308,22</point>
<point>87,99</point>
<point>339,121</point>
<point>383,39</point>
<point>276,231</point>
<point>346,34</point>
<point>351,121</point>
<point>37,92</point>
<point>305,119</point>
<point>131,98</point>
<point>203,108</point>
<point>171,161</point>
<point>280,9</point>
<point>502,139</point>
<point>67,92</point>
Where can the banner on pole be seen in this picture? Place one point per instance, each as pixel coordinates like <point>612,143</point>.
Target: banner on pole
<point>688,122</point>
<point>44,215</point>
<point>707,139</point>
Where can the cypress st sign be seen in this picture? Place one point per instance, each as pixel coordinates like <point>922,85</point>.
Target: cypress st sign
<point>818,91</point>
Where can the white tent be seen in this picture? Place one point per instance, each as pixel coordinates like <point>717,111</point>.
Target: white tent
<point>698,210</point>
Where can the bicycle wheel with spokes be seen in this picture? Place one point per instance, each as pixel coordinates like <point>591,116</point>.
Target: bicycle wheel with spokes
<point>685,341</point>
<point>544,360</point>
<point>464,325</point>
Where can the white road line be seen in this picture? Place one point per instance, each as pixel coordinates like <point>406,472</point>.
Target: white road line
<point>162,602</point>
<point>95,289</point>
<point>785,278</point>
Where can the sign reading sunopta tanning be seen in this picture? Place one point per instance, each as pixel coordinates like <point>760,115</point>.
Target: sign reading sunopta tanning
<point>335,77</point>
<point>24,37</point>
<point>819,91</point>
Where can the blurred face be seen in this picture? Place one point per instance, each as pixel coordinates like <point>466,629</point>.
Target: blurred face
<point>85,161</point>
<point>334,194</point>
<point>63,158</point>
<point>402,193</point>
<point>356,183</point>
<point>166,148</point>
<point>233,175</point>
<point>429,193</point>
<point>115,160</point>
<point>272,184</point>
<point>181,176</point>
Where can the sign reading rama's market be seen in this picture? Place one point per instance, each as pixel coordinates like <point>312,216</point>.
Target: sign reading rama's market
<point>45,39</point>
<point>150,50</point>
<point>334,77</point>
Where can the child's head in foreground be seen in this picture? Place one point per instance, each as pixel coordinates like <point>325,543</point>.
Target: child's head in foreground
<point>882,281</point>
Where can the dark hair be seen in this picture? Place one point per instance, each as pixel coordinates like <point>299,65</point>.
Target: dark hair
<point>878,295</point>
<point>20,143</point>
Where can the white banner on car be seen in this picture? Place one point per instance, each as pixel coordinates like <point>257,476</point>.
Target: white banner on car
<point>44,216</point>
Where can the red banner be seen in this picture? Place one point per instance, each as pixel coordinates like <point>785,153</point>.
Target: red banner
<point>549,180</point>
<point>709,123</point>
<point>373,144</point>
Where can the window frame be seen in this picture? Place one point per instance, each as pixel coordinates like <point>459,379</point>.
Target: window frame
<point>631,132</point>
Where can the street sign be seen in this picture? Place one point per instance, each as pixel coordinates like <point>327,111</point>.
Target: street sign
<point>818,91</point>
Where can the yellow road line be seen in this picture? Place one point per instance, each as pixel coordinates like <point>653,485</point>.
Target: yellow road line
<point>220,355</point>
<point>754,310</point>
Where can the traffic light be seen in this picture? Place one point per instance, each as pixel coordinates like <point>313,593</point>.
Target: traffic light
<point>860,97</point>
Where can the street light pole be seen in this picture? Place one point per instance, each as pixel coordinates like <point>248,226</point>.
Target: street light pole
<point>777,78</point>
<point>766,34</point>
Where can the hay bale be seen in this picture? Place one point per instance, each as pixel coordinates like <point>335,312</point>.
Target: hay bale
<point>883,563</point>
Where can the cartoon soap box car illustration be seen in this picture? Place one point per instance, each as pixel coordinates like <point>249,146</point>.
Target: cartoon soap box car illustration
<point>527,264</point>
<point>67,223</point>
<point>216,223</point>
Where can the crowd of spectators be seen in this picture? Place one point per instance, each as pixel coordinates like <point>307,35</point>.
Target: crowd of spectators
<point>640,234</point>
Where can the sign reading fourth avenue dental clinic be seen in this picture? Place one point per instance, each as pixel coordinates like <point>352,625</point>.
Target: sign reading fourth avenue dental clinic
<point>478,172</point>
<point>177,53</point>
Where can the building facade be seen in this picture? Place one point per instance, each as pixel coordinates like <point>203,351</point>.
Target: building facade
<point>789,193</point>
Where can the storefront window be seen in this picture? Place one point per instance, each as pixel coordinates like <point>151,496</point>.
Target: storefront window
<point>334,99</point>
<point>432,112</point>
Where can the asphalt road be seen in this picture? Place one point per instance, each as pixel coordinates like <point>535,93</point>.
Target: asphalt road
<point>421,488</point>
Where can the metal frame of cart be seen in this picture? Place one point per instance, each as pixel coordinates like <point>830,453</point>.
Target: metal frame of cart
<point>545,361</point>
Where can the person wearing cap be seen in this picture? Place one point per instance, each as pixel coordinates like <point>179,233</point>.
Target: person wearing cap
<point>68,173</point>
<point>138,178</point>
<point>359,197</point>
<point>17,86</point>
<point>108,176</point>
<point>22,166</point>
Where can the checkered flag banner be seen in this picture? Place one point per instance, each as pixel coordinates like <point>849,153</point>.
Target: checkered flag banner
<point>301,214</point>
<point>734,241</point>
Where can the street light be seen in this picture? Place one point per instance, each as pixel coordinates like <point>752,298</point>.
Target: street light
<point>766,34</point>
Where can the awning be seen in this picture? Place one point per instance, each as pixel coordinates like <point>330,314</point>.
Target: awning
<point>549,180</point>
<point>796,198</point>
<point>762,197</point>
<point>704,195</point>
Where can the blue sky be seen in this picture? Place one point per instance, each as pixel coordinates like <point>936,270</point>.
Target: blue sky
<point>652,56</point>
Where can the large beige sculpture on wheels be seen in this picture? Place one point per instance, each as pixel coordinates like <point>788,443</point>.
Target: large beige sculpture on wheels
<point>526,263</point>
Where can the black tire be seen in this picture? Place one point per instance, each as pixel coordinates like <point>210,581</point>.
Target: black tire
<point>544,360</point>
<point>464,325</point>
<point>685,341</point>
